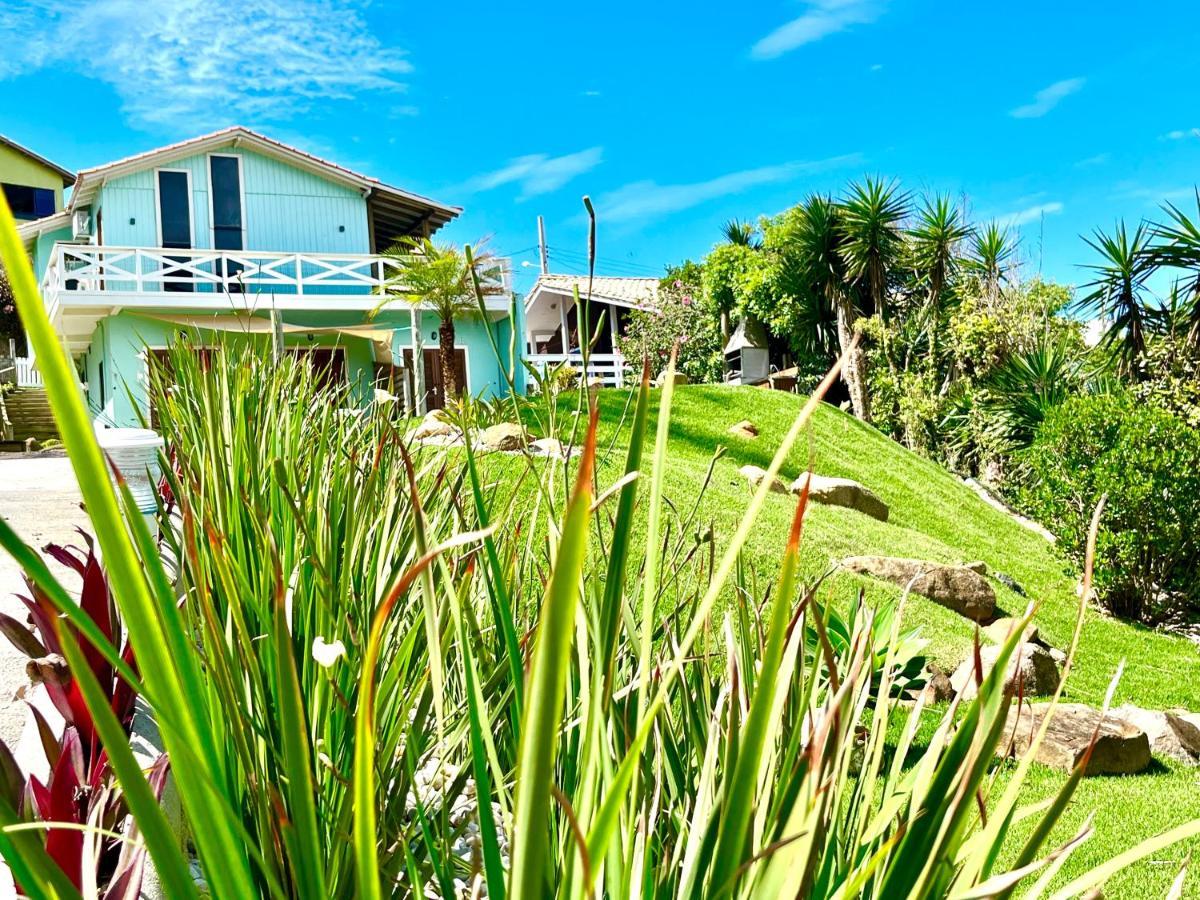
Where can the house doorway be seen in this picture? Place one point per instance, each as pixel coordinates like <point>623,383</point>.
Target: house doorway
<point>435,388</point>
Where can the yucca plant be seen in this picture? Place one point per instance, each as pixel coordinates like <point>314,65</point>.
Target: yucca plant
<point>378,671</point>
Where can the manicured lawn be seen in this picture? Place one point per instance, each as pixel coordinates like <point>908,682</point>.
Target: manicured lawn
<point>933,516</point>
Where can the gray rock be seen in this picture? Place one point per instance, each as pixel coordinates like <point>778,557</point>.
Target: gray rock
<point>678,378</point>
<point>938,687</point>
<point>1011,583</point>
<point>505,436</point>
<point>842,492</point>
<point>744,429</point>
<point>1032,672</point>
<point>997,632</point>
<point>548,447</point>
<point>979,567</point>
<point>434,425</point>
<point>1170,735</point>
<point>756,474</point>
<point>954,587</point>
<point>1121,748</point>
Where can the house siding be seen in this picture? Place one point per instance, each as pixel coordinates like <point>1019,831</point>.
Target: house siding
<point>286,209</point>
<point>17,168</point>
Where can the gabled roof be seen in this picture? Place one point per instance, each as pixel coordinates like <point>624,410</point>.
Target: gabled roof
<point>393,209</point>
<point>637,293</point>
<point>67,177</point>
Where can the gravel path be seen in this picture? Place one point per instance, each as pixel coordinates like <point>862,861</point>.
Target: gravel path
<point>40,500</point>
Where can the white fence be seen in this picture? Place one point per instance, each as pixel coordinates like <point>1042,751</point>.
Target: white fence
<point>86,267</point>
<point>27,373</point>
<point>608,368</point>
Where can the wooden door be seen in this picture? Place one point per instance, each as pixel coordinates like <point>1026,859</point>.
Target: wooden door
<point>328,362</point>
<point>435,390</point>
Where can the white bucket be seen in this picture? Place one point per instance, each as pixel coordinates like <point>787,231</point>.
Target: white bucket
<point>134,451</point>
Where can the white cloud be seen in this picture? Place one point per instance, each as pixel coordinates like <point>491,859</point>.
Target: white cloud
<point>1031,213</point>
<point>1180,133</point>
<point>537,173</point>
<point>1098,160</point>
<point>1048,98</point>
<point>648,199</point>
<point>192,65</point>
<point>820,19</point>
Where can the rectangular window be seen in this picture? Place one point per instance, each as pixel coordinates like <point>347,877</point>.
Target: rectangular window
<point>29,202</point>
<point>175,224</point>
<point>225,182</point>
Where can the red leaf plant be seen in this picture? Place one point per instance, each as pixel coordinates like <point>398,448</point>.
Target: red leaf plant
<point>81,789</point>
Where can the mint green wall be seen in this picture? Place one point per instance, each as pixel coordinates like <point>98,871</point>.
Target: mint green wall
<point>286,209</point>
<point>120,340</point>
<point>43,246</point>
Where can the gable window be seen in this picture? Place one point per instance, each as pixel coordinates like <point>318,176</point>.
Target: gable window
<point>225,182</point>
<point>29,202</point>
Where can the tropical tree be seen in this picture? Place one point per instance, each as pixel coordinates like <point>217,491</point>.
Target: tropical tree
<point>1179,247</point>
<point>819,240</point>
<point>992,251</point>
<point>741,234</point>
<point>1119,292</point>
<point>439,277</point>
<point>934,242</point>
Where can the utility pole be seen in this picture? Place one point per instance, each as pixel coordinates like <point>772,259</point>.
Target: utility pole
<point>542,246</point>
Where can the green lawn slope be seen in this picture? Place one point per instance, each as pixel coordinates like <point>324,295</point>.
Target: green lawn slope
<point>934,516</point>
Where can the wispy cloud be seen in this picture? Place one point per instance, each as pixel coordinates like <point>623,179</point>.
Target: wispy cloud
<point>820,19</point>
<point>190,65</point>
<point>1092,161</point>
<point>1048,98</point>
<point>643,200</point>
<point>1031,214</point>
<point>538,173</point>
<point>1131,190</point>
<point>1179,134</point>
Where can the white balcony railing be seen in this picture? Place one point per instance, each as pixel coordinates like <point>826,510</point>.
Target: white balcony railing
<point>159,271</point>
<point>607,368</point>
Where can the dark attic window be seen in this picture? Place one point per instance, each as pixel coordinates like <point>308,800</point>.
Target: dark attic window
<point>29,202</point>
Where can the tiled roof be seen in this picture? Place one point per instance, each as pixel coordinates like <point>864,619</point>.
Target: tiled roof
<point>624,291</point>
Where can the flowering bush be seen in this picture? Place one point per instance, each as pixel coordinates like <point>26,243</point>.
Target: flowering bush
<point>679,318</point>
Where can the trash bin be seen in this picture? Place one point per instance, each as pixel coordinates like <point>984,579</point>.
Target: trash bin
<point>134,452</point>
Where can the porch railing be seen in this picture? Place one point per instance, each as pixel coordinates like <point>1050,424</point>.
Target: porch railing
<point>27,373</point>
<point>608,368</point>
<point>142,270</point>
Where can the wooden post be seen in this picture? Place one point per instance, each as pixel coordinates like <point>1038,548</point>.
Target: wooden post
<point>418,362</point>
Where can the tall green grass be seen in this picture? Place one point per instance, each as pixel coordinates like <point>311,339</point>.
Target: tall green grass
<point>374,680</point>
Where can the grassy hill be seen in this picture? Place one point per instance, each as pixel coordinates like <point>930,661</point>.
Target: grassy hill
<point>934,516</point>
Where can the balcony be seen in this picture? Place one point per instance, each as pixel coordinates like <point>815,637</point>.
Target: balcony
<point>607,368</point>
<point>84,283</point>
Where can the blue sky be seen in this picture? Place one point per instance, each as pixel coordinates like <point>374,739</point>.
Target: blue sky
<point>1056,116</point>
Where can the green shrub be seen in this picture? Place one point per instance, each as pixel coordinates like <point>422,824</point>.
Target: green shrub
<point>1147,462</point>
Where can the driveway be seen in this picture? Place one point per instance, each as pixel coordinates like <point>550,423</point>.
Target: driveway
<point>40,500</point>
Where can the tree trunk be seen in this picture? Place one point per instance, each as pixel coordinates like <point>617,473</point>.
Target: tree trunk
<point>854,373</point>
<point>450,384</point>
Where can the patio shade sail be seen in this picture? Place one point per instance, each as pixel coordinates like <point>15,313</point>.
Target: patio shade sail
<point>380,338</point>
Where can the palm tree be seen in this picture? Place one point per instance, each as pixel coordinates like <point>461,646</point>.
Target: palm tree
<point>1119,291</point>
<point>1180,248</point>
<point>439,278</point>
<point>741,234</point>
<point>1027,386</point>
<point>818,244</point>
<point>992,250</point>
<point>872,214</point>
<point>934,242</point>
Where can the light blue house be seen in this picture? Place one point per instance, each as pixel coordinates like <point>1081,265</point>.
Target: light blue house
<point>233,236</point>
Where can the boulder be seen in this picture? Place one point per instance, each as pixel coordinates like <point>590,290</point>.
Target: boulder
<point>505,436</point>
<point>979,567</point>
<point>1121,748</point>
<point>842,492</point>
<point>677,378</point>
<point>756,474</point>
<point>745,429</point>
<point>954,587</point>
<point>548,447</point>
<point>1011,583</point>
<point>1032,672</point>
<point>997,632</point>
<point>938,687</point>
<point>434,425</point>
<point>1169,734</point>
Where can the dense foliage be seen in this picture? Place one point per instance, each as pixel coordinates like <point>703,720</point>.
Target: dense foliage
<point>675,323</point>
<point>1147,463</point>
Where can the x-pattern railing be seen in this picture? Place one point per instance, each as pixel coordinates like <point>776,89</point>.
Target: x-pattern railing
<point>157,269</point>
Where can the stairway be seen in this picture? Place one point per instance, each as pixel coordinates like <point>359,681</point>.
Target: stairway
<point>29,411</point>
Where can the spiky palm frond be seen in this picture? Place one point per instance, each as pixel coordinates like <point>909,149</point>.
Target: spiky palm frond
<point>872,213</point>
<point>992,252</point>
<point>742,234</point>
<point>1178,246</point>
<point>934,242</point>
<point>1027,386</point>
<point>1119,292</point>
<point>438,276</point>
